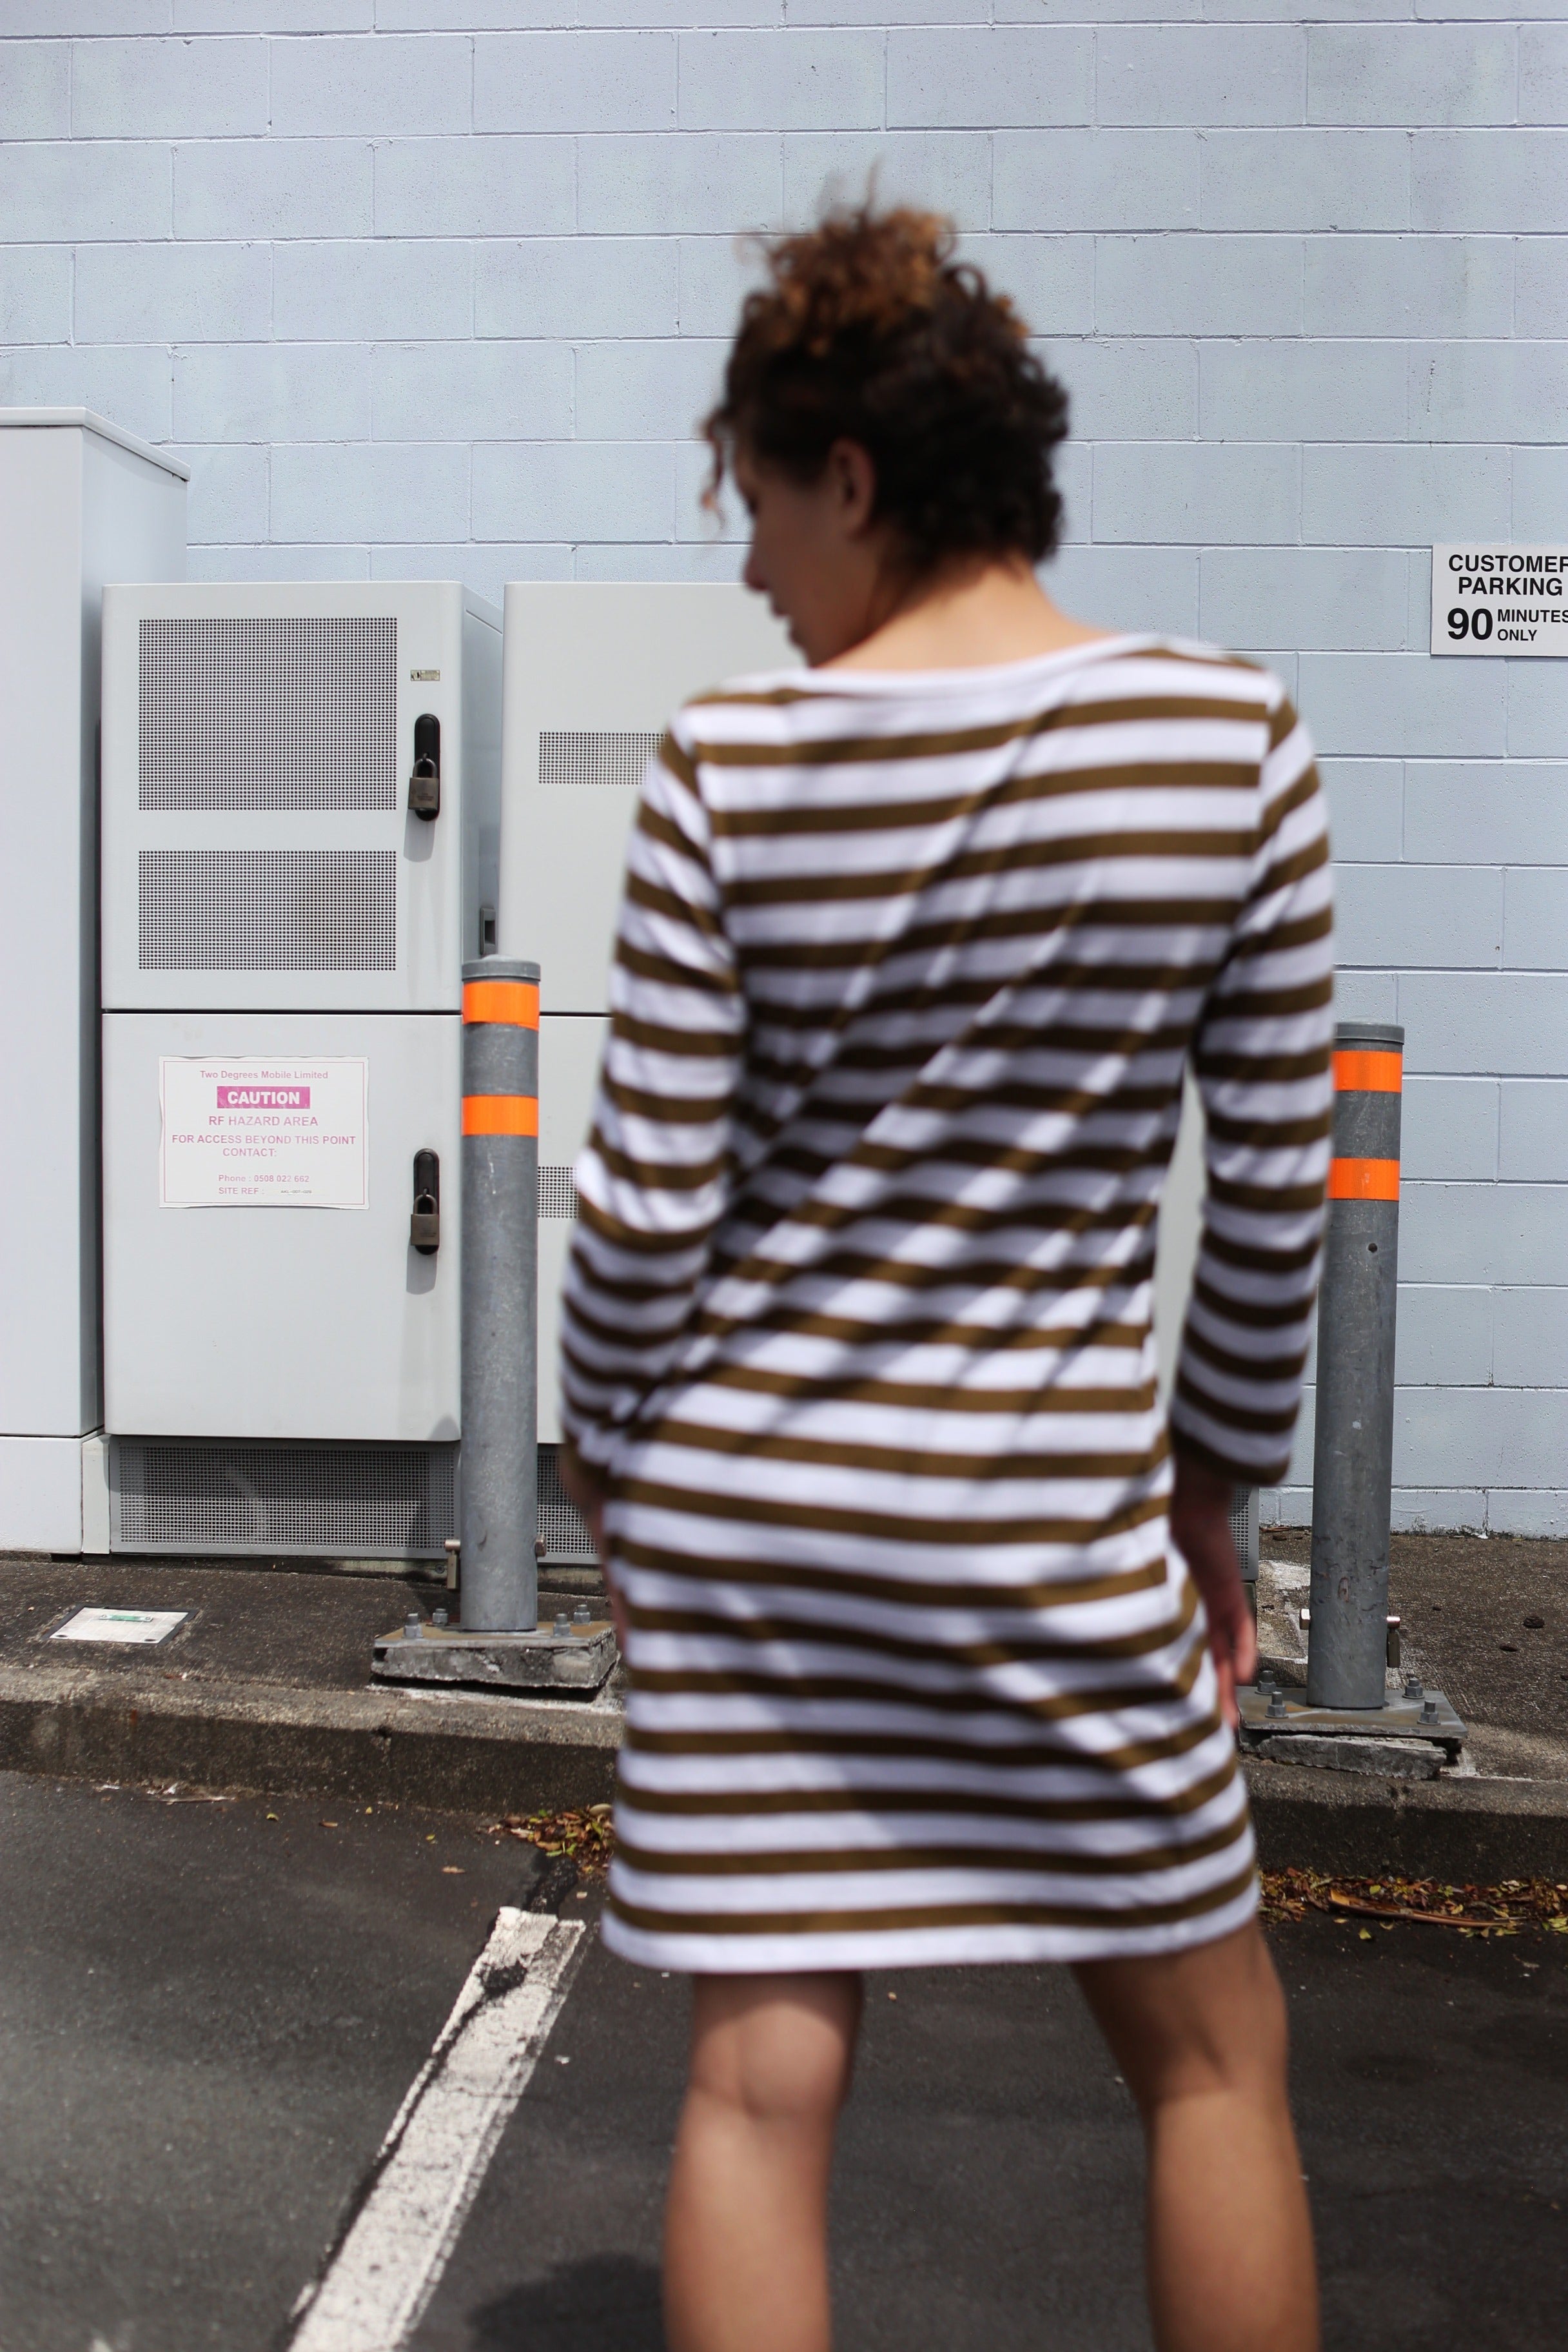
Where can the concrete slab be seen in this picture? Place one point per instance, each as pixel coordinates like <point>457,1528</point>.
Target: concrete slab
<point>267,1686</point>
<point>1410,1759</point>
<point>562,1655</point>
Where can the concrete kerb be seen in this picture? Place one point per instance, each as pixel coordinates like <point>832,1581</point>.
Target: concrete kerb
<point>465,1752</point>
<point>1459,1832</point>
<point>450,1751</point>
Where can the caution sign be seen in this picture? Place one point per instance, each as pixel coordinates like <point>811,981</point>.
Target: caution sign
<point>262,1134</point>
<point>1511,601</point>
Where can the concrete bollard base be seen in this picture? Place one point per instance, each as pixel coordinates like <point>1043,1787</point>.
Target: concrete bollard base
<point>1271,1710</point>
<point>1398,1760</point>
<point>577,1660</point>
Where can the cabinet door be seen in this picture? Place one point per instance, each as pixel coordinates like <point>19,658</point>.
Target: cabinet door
<point>262,849</point>
<point>593,671</point>
<point>569,1050</point>
<point>257,1281</point>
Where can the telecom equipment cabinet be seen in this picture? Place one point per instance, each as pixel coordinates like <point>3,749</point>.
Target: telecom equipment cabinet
<point>300,846</point>
<point>594,672</point>
<point>81,502</point>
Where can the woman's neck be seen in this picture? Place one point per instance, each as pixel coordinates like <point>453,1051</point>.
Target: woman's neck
<point>967,618</point>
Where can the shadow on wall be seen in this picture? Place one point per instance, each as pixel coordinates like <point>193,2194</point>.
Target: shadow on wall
<point>609,2304</point>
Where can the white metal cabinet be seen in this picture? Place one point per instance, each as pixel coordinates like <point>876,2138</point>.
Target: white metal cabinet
<point>300,846</point>
<point>81,502</point>
<point>282,1322</point>
<point>593,671</point>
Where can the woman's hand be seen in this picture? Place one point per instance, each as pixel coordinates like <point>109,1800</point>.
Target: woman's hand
<point>1200,1528</point>
<point>587,1491</point>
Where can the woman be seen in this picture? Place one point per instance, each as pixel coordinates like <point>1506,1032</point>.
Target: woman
<point>930,1626</point>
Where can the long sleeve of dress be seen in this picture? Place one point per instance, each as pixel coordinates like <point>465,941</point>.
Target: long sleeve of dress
<point>653,1179</point>
<point>1262,1059</point>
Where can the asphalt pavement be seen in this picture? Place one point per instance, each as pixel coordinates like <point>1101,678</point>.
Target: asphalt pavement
<point>208,2015</point>
<point>210,2012</point>
<point>988,2187</point>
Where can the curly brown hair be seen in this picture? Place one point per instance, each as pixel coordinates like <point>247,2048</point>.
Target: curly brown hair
<point>868,330</point>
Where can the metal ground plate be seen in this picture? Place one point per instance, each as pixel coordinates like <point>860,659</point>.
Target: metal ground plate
<point>1400,1718</point>
<point>579,1660</point>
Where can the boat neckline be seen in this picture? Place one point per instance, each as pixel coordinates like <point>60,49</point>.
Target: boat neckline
<point>973,674</point>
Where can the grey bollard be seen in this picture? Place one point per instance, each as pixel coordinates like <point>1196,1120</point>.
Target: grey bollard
<point>500,1588</point>
<point>1352,1460</point>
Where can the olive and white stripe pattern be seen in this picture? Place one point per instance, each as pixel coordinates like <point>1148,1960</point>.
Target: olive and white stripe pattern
<point>858,1320</point>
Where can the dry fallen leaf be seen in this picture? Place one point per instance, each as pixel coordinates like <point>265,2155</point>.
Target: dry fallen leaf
<point>1502,1910</point>
<point>586,1837</point>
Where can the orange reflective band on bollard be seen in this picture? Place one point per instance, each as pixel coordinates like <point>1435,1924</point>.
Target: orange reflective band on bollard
<point>1364,1073</point>
<point>500,1114</point>
<point>512,1003</point>
<point>1363,1180</point>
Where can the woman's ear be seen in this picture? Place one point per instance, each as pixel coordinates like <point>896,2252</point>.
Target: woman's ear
<point>852,484</point>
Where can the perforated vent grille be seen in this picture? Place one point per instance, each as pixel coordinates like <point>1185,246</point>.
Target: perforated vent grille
<point>267,712</point>
<point>267,910</point>
<point>603,758</point>
<point>562,1530</point>
<point>1244,1528</point>
<point>557,1193</point>
<point>350,1502</point>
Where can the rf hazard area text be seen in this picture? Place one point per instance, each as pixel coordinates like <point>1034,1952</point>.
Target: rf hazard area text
<point>1511,601</point>
<point>254,1133</point>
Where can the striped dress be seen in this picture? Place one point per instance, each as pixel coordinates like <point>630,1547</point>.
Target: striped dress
<point>858,1319</point>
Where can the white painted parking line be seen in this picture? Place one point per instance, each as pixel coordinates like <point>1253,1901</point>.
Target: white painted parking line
<point>384,2268</point>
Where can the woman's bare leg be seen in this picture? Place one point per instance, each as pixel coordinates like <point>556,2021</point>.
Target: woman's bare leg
<point>1200,2036</point>
<point>745,2233</point>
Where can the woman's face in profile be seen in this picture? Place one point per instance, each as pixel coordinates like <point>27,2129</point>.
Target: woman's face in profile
<point>815,555</point>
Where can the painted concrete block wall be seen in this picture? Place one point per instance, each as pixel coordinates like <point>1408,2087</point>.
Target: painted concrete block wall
<point>438,286</point>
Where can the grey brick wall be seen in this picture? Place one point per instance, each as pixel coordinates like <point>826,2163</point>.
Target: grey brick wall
<point>438,287</point>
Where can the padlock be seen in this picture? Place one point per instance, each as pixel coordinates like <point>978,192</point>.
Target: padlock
<point>425,1223</point>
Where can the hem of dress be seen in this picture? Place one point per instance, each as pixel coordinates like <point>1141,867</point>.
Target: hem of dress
<point>814,1953</point>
